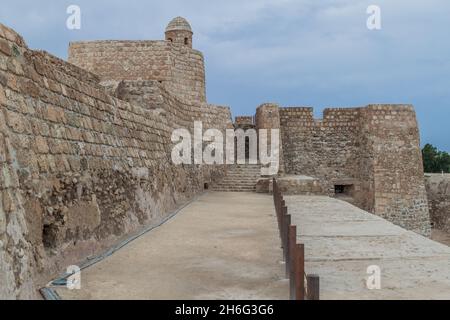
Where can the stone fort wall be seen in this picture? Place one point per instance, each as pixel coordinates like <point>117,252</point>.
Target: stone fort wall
<point>180,68</point>
<point>372,152</point>
<point>81,167</point>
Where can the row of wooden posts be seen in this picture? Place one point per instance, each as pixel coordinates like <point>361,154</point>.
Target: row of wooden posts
<point>301,286</point>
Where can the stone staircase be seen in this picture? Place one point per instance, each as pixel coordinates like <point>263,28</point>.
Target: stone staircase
<point>239,178</point>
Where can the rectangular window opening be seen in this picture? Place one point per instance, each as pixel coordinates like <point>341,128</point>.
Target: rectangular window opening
<point>343,190</point>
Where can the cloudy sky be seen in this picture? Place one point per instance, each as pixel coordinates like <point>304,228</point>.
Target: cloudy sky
<point>293,52</point>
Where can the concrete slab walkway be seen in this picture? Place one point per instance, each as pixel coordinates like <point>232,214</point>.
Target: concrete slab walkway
<point>225,245</point>
<point>341,241</point>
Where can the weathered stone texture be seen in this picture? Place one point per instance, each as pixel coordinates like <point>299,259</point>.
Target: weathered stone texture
<point>180,68</point>
<point>85,149</point>
<point>438,191</point>
<point>81,167</point>
<point>268,117</point>
<point>179,32</point>
<point>374,149</point>
<point>242,121</point>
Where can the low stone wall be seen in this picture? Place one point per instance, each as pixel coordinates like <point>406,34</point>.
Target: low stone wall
<point>292,184</point>
<point>438,191</point>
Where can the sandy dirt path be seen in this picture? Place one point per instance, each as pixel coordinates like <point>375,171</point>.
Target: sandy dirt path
<point>224,245</point>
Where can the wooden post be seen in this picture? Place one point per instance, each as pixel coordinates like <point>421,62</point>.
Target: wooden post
<point>281,204</point>
<point>283,229</point>
<point>287,223</point>
<point>313,286</point>
<point>292,239</point>
<point>300,272</point>
<point>280,210</point>
<point>280,227</point>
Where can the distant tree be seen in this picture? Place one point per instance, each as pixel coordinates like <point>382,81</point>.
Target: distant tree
<point>434,160</point>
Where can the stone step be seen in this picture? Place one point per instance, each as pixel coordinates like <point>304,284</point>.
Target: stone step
<point>257,172</point>
<point>244,173</point>
<point>244,168</point>
<point>233,190</point>
<point>232,183</point>
<point>239,178</point>
<point>227,182</point>
<point>243,176</point>
<point>235,185</point>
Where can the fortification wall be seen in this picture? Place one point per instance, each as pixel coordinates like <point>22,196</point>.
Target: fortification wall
<point>438,192</point>
<point>268,117</point>
<point>374,150</point>
<point>398,178</point>
<point>179,68</point>
<point>81,168</point>
<point>16,256</point>
<point>326,149</point>
<point>153,95</point>
<point>244,121</point>
<point>123,59</point>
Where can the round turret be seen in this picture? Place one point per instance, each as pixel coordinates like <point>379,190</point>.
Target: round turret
<point>179,32</point>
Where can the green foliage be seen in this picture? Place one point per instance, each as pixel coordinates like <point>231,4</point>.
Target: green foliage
<point>435,161</point>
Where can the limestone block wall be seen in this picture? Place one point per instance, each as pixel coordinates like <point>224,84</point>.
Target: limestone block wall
<point>152,94</point>
<point>81,168</point>
<point>326,149</point>
<point>123,60</point>
<point>397,169</point>
<point>179,68</point>
<point>375,149</point>
<point>244,121</point>
<point>438,192</point>
<point>180,37</point>
<point>16,250</point>
<point>268,117</point>
<point>187,73</point>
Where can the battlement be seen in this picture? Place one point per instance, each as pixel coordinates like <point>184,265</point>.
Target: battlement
<point>244,120</point>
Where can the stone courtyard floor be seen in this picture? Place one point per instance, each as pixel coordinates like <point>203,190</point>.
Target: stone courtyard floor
<point>225,245</point>
<point>341,241</point>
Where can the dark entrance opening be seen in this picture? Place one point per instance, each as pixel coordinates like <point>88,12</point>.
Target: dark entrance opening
<point>247,148</point>
<point>343,189</point>
<point>205,186</point>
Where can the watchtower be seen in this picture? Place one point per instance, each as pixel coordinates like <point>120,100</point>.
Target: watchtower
<point>179,32</point>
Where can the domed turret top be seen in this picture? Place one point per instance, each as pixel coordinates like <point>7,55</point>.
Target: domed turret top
<point>178,23</point>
